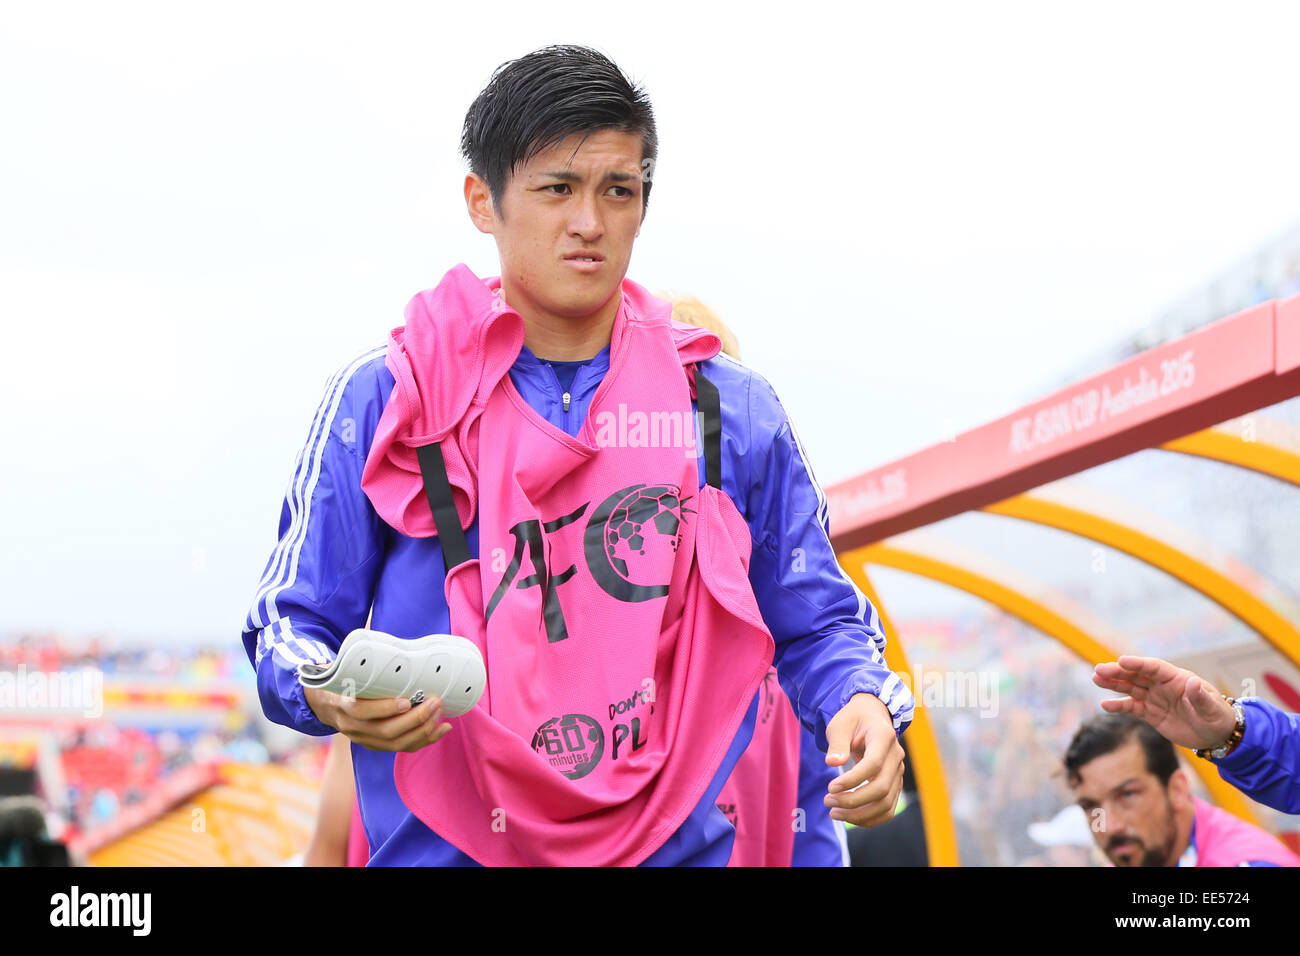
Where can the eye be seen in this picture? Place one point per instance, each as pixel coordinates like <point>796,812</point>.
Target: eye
<point>621,192</point>
<point>560,189</point>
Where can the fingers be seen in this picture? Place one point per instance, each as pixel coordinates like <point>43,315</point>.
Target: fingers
<point>885,813</point>
<point>1119,685</point>
<point>865,801</point>
<point>421,736</point>
<point>839,739</point>
<point>1205,702</point>
<point>861,729</point>
<point>1148,670</point>
<point>1109,670</point>
<point>1143,672</point>
<point>874,811</point>
<point>376,709</point>
<point>1112,676</point>
<point>871,750</point>
<point>415,728</point>
<point>1192,716</point>
<point>1124,705</point>
<point>410,742</point>
<point>1208,715</point>
<point>394,727</point>
<point>1135,691</point>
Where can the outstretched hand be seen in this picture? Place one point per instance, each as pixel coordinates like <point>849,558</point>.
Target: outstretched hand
<point>865,730</point>
<point>1181,706</point>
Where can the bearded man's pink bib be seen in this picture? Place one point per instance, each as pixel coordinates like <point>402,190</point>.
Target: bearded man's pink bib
<point>610,598</point>
<point>1224,840</point>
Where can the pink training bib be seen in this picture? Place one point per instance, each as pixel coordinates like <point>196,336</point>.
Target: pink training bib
<point>610,599</point>
<point>762,794</point>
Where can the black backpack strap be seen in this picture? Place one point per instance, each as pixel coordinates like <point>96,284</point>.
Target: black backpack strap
<point>433,468</point>
<point>710,406</point>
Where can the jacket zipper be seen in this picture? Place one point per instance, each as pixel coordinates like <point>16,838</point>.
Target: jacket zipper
<point>567,398</point>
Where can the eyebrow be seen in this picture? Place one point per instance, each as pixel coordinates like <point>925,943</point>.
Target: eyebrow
<point>569,176</point>
<point>1086,800</point>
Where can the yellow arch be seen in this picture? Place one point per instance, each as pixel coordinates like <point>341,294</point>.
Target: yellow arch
<point>1260,456</point>
<point>922,747</point>
<point>1049,622</point>
<point>1225,592</point>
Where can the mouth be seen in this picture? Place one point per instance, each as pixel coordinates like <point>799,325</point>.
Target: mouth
<point>585,260</point>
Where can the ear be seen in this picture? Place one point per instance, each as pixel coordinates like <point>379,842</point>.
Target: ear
<point>1180,789</point>
<point>478,200</point>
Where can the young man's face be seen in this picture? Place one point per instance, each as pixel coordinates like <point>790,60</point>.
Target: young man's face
<point>565,225</point>
<point>1139,826</point>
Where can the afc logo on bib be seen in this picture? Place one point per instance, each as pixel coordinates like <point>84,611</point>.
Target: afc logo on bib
<point>629,539</point>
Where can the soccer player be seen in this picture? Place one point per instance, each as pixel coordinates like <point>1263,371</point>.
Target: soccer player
<point>621,519</point>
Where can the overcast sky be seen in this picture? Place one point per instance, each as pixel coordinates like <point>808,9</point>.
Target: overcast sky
<point>916,217</point>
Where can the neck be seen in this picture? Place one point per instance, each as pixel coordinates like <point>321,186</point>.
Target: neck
<point>563,339</point>
<point>1183,819</point>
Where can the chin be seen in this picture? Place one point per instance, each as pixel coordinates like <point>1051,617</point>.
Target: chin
<point>580,303</point>
<point>1131,857</point>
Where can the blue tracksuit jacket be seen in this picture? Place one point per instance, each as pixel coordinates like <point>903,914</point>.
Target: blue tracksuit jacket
<point>336,564</point>
<point>1266,764</point>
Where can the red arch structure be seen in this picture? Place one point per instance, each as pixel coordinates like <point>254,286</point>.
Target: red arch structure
<point>1234,366</point>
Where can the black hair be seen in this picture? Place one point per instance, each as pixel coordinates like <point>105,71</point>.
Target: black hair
<point>1106,733</point>
<point>537,100</point>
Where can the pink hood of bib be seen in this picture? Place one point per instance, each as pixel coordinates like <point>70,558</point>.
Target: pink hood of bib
<point>427,407</point>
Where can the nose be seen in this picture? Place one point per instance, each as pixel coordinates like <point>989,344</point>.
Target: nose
<point>584,218</point>
<point>1119,825</point>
